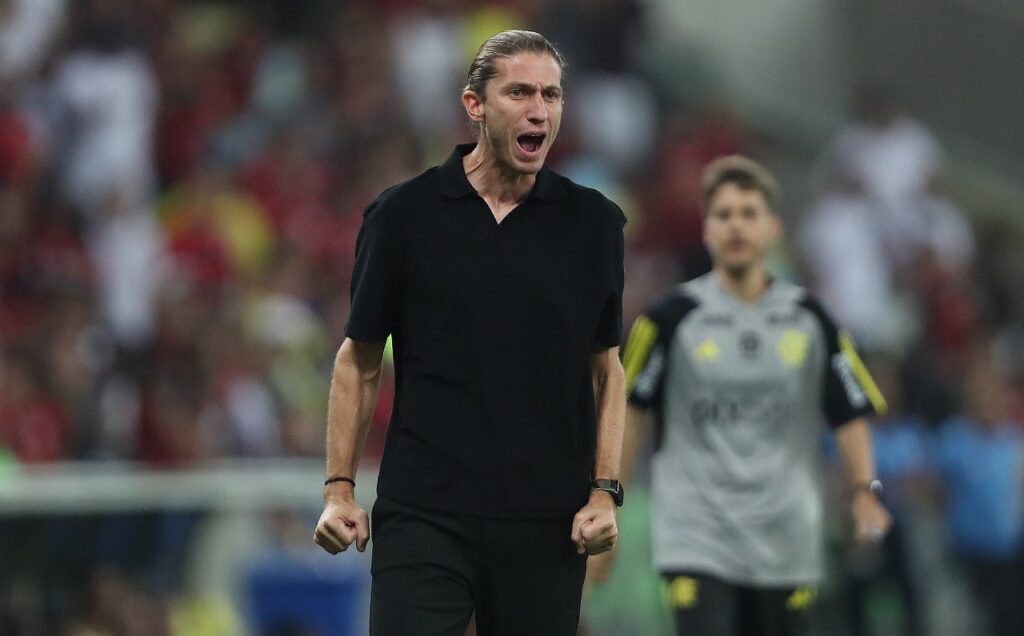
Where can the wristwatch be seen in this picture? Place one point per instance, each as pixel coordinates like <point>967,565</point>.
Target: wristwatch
<point>874,487</point>
<point>610,486</point>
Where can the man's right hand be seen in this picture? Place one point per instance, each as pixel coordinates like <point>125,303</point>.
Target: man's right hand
<point>342,523</point>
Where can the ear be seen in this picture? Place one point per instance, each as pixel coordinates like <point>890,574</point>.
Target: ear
<point>704,233</point>
<point>474,106</point>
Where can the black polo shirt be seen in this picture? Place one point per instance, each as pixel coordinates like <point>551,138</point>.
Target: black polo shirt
<point>493,327</point>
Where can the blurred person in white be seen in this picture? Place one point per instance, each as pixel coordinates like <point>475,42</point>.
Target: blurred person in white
<point>27,28</point>
<point>869,275</point>
<point>895,159</point>
<point>848,266</point>
<point>500,282</point>
<point>428,45</point>
<point>617,117</point>
<point>981,459</point>
<point>739,370</point>
<point>107,96</point>
<point>891,154</point>
<point>132,264</point>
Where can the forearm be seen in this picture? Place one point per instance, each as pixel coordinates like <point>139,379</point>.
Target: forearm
<point>355,385</point>
<point>610,402</point>
<point>633,436</point>
<point>854,442</point>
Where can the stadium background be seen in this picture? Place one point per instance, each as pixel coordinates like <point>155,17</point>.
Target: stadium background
<point>180,187</point>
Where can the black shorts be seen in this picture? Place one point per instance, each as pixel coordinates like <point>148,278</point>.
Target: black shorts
<point>431,570</point>
<point>706,606</point>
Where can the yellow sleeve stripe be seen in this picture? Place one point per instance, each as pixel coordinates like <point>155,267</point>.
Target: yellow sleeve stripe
<point>861,373</point>
<point>638,348</point>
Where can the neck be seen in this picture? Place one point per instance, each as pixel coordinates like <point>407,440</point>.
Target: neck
<point>747,284</point>
<point>496,184</point>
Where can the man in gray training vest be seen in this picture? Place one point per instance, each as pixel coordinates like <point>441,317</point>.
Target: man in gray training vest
<point>739,370</point>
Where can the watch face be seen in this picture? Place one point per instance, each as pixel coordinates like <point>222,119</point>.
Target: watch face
<point>611,486</point>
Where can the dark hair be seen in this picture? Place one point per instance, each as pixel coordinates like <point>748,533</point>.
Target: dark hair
<point>506,44</point>
<point>746,173</point>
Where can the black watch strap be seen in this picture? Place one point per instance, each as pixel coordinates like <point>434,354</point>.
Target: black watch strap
<point>610,486</point>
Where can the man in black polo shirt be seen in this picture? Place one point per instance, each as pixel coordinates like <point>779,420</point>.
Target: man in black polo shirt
<point>500,283</point>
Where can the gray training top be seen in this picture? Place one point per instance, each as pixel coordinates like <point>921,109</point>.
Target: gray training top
<point>739,392</point>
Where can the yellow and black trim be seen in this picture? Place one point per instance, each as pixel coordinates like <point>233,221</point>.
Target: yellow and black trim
<point>860,371</point>
<point>641,341</point>
<point>849,390</point>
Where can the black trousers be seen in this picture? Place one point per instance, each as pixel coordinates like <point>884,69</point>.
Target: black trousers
<point>706,606</point>
<point>431,570</point>
<point>998,587</point>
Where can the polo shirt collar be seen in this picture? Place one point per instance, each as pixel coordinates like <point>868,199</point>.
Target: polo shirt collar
<point>454,183</point>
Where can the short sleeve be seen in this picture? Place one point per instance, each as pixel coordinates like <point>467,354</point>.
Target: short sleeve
<point>645,355</point>
<point>376,277</point>
<point>609,327</point>
<point>644,362</point>
<point>849,391</point>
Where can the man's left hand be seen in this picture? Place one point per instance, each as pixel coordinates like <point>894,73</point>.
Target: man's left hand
<point>871,521</point>
<point>593,528</point>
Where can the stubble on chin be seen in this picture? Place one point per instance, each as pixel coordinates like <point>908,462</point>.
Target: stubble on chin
<point>736,271</point>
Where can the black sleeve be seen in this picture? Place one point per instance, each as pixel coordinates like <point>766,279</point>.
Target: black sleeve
<point>609,327</point>
<point>849,391</point>
<point>645,357</point>
<point>376,277</point>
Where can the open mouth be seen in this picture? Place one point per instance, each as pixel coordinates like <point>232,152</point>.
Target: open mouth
<point>530,142</point>
<point>736,244</point>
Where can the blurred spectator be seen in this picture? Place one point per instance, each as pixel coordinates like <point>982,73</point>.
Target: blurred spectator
<point>108,94</point>
<point>127,247</point>
<point>891,155</point>
<point>429,59</point>
<point>848,266</point>
<point>215,231</point>
<point>981,453</point>
<point>876,179</point>
<point>902,449</point>
<point>18,152</point>
<point>27,29</point>
<point>32,424</point>
<point>617,119</point>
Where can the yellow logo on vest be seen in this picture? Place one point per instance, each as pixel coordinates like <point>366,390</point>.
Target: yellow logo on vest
<point>683,592</point>
<point>792,347</point>
<point>707,351</point>
<point>801,598</point>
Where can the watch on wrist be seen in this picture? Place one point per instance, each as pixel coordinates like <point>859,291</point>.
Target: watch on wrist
<point>874,487</point>
<point>610,486</point>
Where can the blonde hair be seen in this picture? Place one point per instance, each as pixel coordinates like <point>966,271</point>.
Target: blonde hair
<point>506,44</point>
<point>746,173</point>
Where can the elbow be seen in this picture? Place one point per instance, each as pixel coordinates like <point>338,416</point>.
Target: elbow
<point>611,379</point>
<point>363,361</point>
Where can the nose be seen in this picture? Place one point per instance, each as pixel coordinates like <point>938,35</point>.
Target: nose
<point>537,110</point>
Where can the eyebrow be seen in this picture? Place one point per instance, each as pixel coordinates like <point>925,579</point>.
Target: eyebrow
<point>529,86</point>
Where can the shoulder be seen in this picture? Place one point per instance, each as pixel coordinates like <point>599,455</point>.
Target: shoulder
<point>395,201</point>
<point>810,303</point>
<point>670,309</point>
<point>592,203</point>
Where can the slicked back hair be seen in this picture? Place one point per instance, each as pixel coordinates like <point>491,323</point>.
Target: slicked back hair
<point>506,44</point>
<point>746,173</point>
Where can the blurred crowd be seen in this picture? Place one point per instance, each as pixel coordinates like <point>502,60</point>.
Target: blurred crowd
<point>181,185</point>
